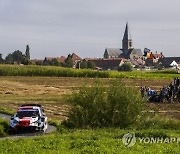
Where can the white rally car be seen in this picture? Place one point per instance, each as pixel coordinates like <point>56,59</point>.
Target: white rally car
<point>29,117</point>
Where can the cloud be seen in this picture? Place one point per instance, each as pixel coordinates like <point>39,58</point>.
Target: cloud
<point>87,26</point>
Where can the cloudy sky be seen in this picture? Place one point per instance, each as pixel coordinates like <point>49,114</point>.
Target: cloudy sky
<point>86,27</point>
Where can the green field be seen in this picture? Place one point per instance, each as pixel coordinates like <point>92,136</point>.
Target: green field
<point>24,84</point>
<point>16,70</point>
<point>91,141</point>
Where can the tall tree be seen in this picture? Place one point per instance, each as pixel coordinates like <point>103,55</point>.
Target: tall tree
<point>1,59</point>
<point>9,59</point>
<point>27,53</point>
<point>24,60</point>
<point>68,61</point>
<point>17,56</point>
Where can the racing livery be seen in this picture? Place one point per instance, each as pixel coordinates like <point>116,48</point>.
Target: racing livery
<point>29,117</point>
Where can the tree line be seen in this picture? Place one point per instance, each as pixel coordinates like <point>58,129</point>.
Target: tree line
<point>69,63</point>
<point>17,57</point>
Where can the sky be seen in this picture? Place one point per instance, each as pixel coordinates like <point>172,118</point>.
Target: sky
<point>54,28</point>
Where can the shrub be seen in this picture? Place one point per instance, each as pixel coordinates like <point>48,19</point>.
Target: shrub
<point>100,106</point>
<point>83,64</point>
<point>91,65</point>
<point>125,67</point>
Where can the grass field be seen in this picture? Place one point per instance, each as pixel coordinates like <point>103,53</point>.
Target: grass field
<point>52,93</point>
<point>92,141</point>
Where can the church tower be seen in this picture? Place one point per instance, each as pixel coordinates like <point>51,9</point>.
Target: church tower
<point>127,41</point>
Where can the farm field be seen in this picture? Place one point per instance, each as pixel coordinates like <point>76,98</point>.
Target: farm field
<point>53,71</point>
<point>52,93</point>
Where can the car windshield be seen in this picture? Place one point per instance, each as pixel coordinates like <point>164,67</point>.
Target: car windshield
<point>22,114</point>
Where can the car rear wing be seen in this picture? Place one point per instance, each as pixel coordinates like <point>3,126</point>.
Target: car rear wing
<point>38,105</point>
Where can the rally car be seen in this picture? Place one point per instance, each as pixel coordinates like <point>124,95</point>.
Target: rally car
<point>29,117</point>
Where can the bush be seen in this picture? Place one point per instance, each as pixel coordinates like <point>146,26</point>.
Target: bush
<point>100,106</point>
<point>125,67</point>
<point>91,65</point>
<point>83,64</point>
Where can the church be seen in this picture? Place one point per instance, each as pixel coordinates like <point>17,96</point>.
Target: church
<point>127,51</point>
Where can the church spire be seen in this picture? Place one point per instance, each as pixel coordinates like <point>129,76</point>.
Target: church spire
<point>127,41</point>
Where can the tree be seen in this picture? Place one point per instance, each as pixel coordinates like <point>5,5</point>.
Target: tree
<point>125,67</point>
<point>91,65</point>
<point>25,60</point>
<point>17,56</point>
<point>55,62</point>
<point>9,59</point>
<point>83,64</point>
<point>27,53</point>
<point>1,59</point>
<point>69,62</point>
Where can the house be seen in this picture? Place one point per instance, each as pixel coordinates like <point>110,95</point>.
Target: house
<point>37,61</point>
<point>152,59</point>
<point>169,61</point>
<point>127,51</point>
<point>59,59</point>
<point>108,63</point>
<point>75,57</point>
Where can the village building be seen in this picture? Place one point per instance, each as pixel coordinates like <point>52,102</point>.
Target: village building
<point>59,59</point>
<point>127,51</point>
<point>108,63</point>
<point>36,61</point>
<point>153,58</point>
<point>169,62</point>
<point>75,57</point>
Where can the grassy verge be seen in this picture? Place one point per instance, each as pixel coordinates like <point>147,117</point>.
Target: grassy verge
<point>16,70</point>
<point>4,127</point>
<point>91,141</point>
<point>7,111</point>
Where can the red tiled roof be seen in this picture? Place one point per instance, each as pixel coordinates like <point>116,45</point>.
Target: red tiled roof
<point>75,57</point>
<point>158,55</point>
<point>59,59</point>
<point>36,60</point>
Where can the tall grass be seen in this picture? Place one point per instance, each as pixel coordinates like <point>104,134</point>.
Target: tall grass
<point>4,127</point>
<point>16,70</point>
<point>32,70</point>
<point>148,121</point>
